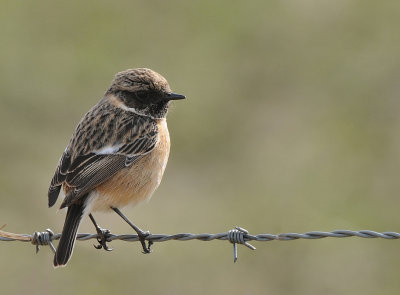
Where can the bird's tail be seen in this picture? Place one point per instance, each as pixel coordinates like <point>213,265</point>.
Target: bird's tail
<point>68,236</point>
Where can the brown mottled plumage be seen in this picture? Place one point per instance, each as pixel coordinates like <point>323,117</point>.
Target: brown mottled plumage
<point>117,154</point>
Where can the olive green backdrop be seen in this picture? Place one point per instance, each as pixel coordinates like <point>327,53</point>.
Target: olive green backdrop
<point>291,124</point>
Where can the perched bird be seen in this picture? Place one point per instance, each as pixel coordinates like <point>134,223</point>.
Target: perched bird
<point>116,156</point>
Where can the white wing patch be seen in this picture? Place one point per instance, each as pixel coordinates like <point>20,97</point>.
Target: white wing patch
<point>108,150</point>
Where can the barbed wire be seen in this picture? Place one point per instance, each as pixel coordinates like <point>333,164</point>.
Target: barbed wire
<point>234,236</point>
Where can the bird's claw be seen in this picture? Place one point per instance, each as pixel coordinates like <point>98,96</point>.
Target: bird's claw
<point>142,238</point>
<point>103,236</point>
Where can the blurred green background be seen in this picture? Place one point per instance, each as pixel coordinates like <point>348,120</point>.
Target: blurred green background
<point>291,125</point>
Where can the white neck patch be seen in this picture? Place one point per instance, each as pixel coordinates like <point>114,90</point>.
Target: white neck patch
<point>135,111</point>
<point>119,104</point>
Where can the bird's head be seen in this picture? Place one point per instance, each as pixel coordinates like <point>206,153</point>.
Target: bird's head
<point>143,91</point>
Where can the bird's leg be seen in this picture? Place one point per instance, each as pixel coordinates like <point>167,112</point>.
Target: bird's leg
<point>103,235</point>
<point>141,234</point>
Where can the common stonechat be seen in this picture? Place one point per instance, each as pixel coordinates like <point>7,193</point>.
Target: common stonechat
<point>116,156</point>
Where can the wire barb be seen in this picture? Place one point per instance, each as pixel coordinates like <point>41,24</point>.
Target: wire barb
<point>238,236</point>
<point>43,238</point>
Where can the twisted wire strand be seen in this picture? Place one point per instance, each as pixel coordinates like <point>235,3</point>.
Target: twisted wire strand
<point>9,237</point>
<point>235,236</point>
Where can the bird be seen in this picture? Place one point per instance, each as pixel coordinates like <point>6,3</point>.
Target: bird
<point>116,156</point>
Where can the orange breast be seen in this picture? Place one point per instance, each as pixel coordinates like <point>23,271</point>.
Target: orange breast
<point>139,181</point>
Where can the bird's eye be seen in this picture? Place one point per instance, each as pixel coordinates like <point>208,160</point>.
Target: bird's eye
<point>142,95</point>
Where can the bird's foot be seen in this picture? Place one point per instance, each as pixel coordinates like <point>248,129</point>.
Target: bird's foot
<point>142,235</point>
<point>103,236</point>
<point>142,238</point>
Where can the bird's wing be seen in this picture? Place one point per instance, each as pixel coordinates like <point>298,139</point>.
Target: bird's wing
<point>92,157</point>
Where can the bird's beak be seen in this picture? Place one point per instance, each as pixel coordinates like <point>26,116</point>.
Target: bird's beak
<point>174,96</point>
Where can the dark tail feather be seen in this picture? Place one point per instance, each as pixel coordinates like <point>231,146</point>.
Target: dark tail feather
<point>68,236</point>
